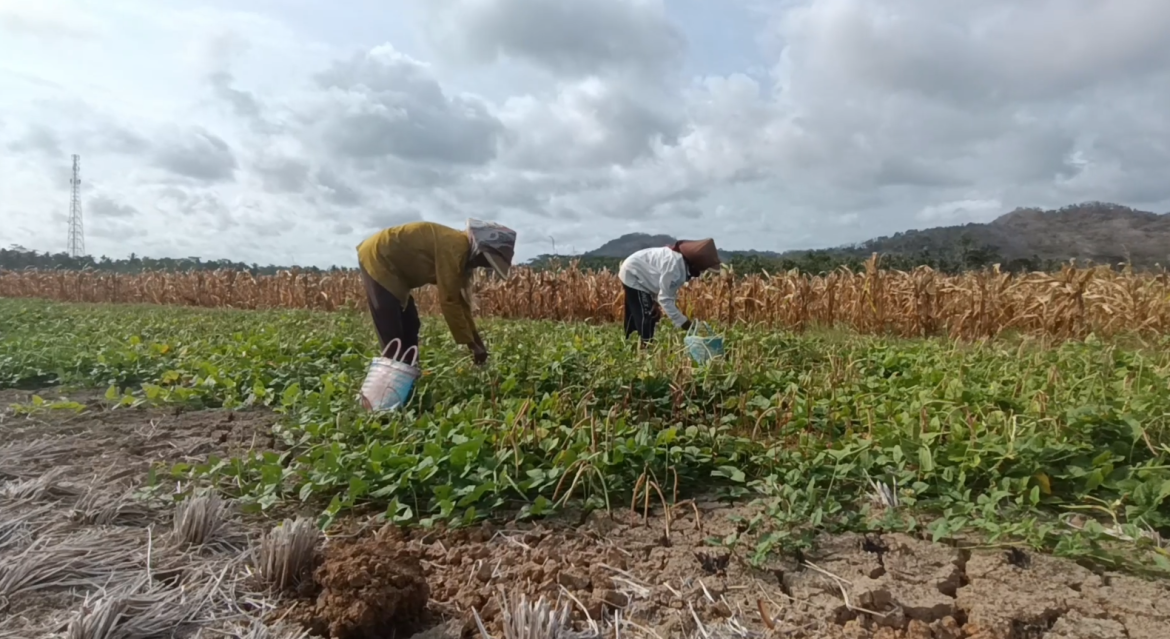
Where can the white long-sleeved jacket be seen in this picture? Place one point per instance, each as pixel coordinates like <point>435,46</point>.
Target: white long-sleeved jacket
<point>658,271</point>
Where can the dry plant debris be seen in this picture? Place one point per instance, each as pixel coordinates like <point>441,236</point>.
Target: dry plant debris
<point>524,619</point>
<point>86,559</point>
<point>80,556</point>
<point>287,553</point>
<point>137,610</point>
<point>1071,303</point>
<point>200,520</point>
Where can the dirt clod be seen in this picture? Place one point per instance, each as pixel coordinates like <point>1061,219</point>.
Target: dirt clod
<point>713,563</point>
<point>573,580</point>
<point>369,589</point>
<point>613,598</point>
<point>1074,626</point>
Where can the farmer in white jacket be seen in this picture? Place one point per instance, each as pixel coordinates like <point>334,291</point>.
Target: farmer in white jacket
<point>652,277</point>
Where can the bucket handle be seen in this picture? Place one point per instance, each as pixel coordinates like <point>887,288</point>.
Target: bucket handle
<point>694,330</point>
<point>397,344</point>
<point>398,352</point>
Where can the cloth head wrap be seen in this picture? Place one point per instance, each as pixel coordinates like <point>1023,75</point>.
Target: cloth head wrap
<point>495,242</point>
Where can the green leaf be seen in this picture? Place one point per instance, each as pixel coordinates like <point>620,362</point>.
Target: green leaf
<point>925,460</point>
<point>730,472</point>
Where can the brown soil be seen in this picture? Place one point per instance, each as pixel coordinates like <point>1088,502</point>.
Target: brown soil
<point>883,587</point>
<point>367,589</point>
<point>129,439</point>
<point>608,568</point>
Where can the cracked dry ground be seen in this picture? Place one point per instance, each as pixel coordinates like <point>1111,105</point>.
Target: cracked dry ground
<point>887,587</point>
<point>852,586</point>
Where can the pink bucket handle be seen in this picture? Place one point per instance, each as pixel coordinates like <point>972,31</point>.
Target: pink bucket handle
<point>399,354</point>
<point>397,344</point>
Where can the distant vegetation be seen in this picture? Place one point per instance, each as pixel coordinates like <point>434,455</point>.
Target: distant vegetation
<point>963,256</point>
<point>1096,232</point>
<point>18,258</point>
<point>1027,239</point>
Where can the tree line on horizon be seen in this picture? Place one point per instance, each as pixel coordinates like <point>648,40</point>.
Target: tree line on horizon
<point>963,256</point>
<point>960,256</point>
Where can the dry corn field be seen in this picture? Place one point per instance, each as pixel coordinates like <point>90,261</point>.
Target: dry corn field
<point>1070,304</point>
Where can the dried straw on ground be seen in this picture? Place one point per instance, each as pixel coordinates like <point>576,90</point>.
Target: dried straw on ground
<point>1070,304</point>
<point>86,545</point>
<point>17,458</point>
<point>285,554</point>
<point>200,520</point>
<point>257,630</point>
<point>87,559</point>
<point>21,522</point>
<point>524,619</point>
<point>101,506</point>
<point>137,610</point>
<point>47,485</point>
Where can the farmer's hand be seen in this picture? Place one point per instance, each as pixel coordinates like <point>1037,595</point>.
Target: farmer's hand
<point>686,325</point>
<point>479,353</point>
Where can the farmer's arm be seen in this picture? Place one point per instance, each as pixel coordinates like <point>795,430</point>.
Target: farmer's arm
<point>672,278</point>
<point>450,269</point>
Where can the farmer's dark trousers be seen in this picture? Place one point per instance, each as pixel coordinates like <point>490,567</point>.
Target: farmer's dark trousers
<point>390,319</point>
<point>642,314</point>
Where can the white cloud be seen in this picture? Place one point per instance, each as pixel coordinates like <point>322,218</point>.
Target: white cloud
<point>197,154</point>
<point>285,132</point>
<point>383,103</point>
<point>48,20</point>
<point>574,38</point>
<point>103,206</point>
<point>591,122</point>
<point>960,212</point>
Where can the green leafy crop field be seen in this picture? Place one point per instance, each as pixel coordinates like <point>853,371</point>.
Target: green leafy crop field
<point>1063,447</point>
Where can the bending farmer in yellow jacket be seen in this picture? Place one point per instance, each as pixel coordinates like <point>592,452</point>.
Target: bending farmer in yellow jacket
<point>398,259</point>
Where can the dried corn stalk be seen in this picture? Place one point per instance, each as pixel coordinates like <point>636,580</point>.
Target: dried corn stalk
<point>1069,304</point>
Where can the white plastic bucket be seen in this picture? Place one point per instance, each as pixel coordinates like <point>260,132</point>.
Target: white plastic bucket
<point>389,380</point>
<point>703,348</point>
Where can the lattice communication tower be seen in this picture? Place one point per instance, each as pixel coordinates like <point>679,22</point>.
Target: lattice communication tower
<point>76,229</point>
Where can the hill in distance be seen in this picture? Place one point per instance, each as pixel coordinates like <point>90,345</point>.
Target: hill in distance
<point>1099,232</point>
<point>628,244</point>
<point>625,245</point>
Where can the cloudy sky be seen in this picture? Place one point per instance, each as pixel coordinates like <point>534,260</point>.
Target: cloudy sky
<point>285,131</point>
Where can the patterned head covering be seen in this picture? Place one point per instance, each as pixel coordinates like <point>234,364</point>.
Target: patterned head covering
<point>495,242</point>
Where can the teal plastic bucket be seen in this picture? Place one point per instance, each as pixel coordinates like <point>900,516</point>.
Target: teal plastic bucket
<point>703,347</point>
<point>390,380</point>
